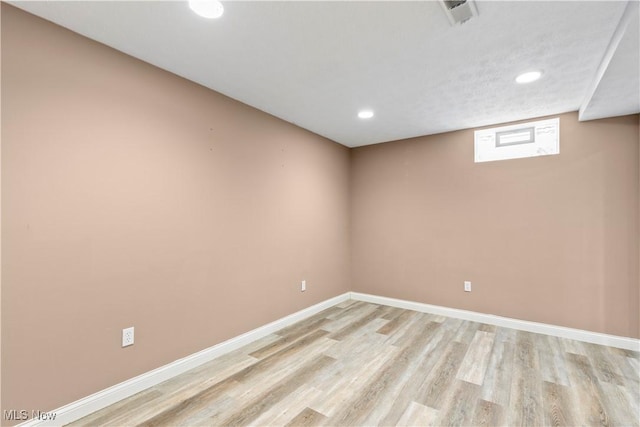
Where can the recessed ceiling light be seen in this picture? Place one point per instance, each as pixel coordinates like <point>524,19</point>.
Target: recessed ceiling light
<point>207,8</point>
<point>528,77</point>
<point>365,114</point>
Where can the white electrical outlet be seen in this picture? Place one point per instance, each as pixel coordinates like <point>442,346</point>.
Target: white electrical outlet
<point>303,286</point>
<point>127,337</point>
<point>467,286</point>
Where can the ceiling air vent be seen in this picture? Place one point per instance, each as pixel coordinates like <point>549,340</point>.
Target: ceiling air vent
<point>459,11</point>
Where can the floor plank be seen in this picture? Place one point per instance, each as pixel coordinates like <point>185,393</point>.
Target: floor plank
<point>474,365</point>
<point>251,410</point>
<point>418,415</point>
<point>442,377</point>
<point>488,414</point>
<point>497,380</point>
<point>308,417</point>
<point>558,409</point>
<point>586,393</point>
<point>368,406</point>
<point>459,405</point>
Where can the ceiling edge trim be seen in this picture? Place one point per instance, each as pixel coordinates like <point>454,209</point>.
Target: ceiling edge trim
<point>618,34</point>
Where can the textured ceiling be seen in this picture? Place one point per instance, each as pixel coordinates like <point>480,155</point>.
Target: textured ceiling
<point>316,64</point>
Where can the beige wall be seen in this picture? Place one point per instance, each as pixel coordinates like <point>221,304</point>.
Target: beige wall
<point>133,197</point>
<point>548,239</point>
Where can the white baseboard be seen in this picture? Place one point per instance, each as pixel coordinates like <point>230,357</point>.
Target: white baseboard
<point>523,325</point>
<point>83,407</point>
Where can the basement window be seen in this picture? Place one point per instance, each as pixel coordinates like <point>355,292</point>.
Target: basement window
<point>541,138</point>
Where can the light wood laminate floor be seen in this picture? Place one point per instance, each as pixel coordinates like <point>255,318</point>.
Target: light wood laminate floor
<point>364,364</point>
